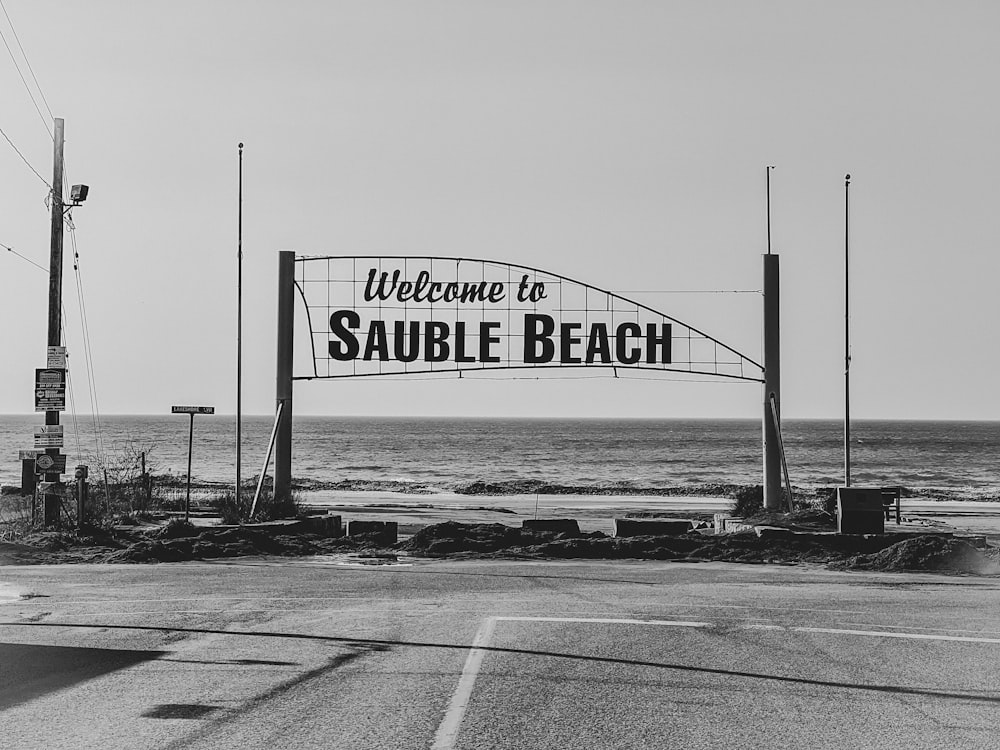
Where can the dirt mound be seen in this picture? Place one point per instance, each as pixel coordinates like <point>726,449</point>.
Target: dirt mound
<point>451,536</point>
<point>175,543</point>
<point>234,542</point>
<point>21,554</point>
<point>178,542</point>
<point>928,553</point>
<point>924,553</point>
<point>804,519</point>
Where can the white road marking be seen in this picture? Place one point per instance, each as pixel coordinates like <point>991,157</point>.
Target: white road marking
<point>611,621</point>
<point>448,730</point>
<point>887,634</point>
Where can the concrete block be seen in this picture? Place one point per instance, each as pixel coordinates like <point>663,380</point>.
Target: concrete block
<point>328,525</point>
<point>557,525</point>
<point>650,527</point>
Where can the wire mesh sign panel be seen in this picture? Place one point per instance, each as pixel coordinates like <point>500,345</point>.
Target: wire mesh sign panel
<point>390,315</point>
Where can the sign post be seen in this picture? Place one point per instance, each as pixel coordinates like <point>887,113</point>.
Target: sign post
<point>283,407</point>
<point>192,410</point>
<point>29,480</point>
<point>772,386</point>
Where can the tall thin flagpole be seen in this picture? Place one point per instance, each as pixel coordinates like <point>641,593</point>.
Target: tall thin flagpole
<point>847,333</point>
<point>239,330</point>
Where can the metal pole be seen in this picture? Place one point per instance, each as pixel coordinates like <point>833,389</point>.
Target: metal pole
<point>781,447</point>
<point>187,501</point>
<point>267,460</point>
<point>767,170</point>
<point>81,498</point>
<point>772,384</point>
<point>283,391</point>
<point>51,502</point>
<point>239,330</point>
<point>847,334</point>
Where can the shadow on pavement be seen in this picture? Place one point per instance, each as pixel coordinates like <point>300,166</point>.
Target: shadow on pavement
<point>370,644</point>
<point>29,671</point>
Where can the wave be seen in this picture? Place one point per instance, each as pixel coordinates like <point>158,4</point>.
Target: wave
<point>692,488</point>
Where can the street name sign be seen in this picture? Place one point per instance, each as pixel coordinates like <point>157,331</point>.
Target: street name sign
<point>192,410</point>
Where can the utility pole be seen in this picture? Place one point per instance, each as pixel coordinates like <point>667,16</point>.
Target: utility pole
<point>52,501</point>
<point>773,454</point>
<point>239,331</point>
<point>283,400</point>
<point>847,333</point>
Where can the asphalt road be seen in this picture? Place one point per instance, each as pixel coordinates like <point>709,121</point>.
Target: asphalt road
<point>481,654</point>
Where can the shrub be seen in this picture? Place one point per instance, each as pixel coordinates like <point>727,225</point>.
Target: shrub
<point>15,516</point>
<point>234,511</point>
<point>747,501</point>
<point>178,528</point>
<point>828,500</point>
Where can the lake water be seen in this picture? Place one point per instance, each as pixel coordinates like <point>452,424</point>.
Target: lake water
<point>443,455</point>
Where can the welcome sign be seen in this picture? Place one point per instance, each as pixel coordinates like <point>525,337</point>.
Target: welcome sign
<point>402,315</point>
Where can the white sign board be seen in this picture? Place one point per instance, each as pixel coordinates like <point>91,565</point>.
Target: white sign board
<point>56,358</point>
<point>192,410</point>
<point>49,436</point>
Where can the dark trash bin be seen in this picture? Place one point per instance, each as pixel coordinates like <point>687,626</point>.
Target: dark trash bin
<point>860,510</point>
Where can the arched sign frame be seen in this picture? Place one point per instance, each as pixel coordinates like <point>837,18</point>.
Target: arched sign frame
<point>724,362</point>
<point>419,324</point>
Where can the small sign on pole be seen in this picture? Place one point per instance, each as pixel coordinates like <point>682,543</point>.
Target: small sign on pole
<point>192,410</point>
<point>50,390</point>
<point>46,464</point>
<point>49,436</point>
<point>56,358</point>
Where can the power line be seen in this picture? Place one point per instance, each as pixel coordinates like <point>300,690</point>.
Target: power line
<point>88,352</point>
<point>18,68</point>
<point>16,151</point>
<point>22,257</point>
<point>26,61</point>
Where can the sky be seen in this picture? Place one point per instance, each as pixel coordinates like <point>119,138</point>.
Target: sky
<point>620,143</point>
